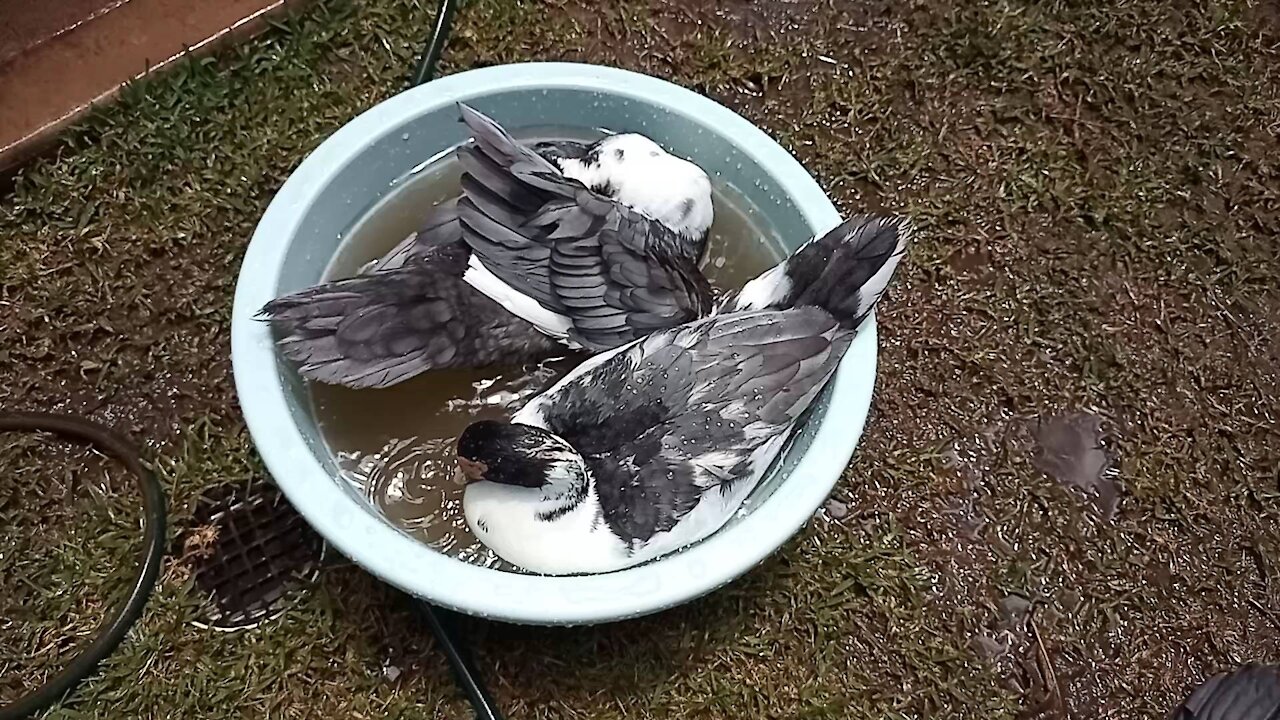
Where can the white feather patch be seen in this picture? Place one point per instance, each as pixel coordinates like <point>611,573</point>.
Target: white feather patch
<point>651,181</point>
<point>505,518</point>
<point>522,306</point>
<point>766,289</point>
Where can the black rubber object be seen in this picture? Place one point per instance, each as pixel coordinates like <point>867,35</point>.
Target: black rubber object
<point>444,625</point>
<point>426,69</point>
<point>116,625</point>
<point>1251,692</point>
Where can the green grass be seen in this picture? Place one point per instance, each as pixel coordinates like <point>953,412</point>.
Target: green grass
<point>1096,191</point>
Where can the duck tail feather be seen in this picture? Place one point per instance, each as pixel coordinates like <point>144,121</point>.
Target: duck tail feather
<point>843,272</point>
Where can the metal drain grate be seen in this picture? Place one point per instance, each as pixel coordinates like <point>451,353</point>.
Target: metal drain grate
<point>249,551</point>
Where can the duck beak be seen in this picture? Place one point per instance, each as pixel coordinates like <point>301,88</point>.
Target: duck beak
<point>469,471</point>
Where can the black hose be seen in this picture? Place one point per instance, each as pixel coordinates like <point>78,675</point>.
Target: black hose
<point>444,625</point>
<point>426,69</point>
<point>116,625</point>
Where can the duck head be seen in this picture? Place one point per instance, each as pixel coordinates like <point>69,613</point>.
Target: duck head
<point>640,174</point>
<point>518,455</point>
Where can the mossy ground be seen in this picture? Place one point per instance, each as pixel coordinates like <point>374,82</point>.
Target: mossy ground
<point>1096,186</point>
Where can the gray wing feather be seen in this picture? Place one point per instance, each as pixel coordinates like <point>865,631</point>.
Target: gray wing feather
<point>378,329</point>
<point>610,270</point>
<point>647,419</point>
<point>367,331</point>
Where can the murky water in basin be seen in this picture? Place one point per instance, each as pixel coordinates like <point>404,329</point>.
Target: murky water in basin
<point>396,445</point>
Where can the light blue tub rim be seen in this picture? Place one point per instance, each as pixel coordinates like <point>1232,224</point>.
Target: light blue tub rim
<point>357,531</point>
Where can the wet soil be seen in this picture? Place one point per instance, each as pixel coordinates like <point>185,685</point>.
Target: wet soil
<point>1095,192</point>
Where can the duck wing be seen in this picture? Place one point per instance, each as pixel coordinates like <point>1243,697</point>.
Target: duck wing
<point>612,274</point>
<point>380,328</point>
<point>690,410</point>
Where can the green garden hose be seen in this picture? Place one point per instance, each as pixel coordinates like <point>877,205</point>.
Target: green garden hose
<point>426,69</point>
<point>116,625</point>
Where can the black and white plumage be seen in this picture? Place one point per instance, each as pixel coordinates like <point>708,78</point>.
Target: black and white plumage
<point>647,448</point>
<point>599,273</point>
<point>553,245</point>
<point>1251,692</point>
<point>823,272</point>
